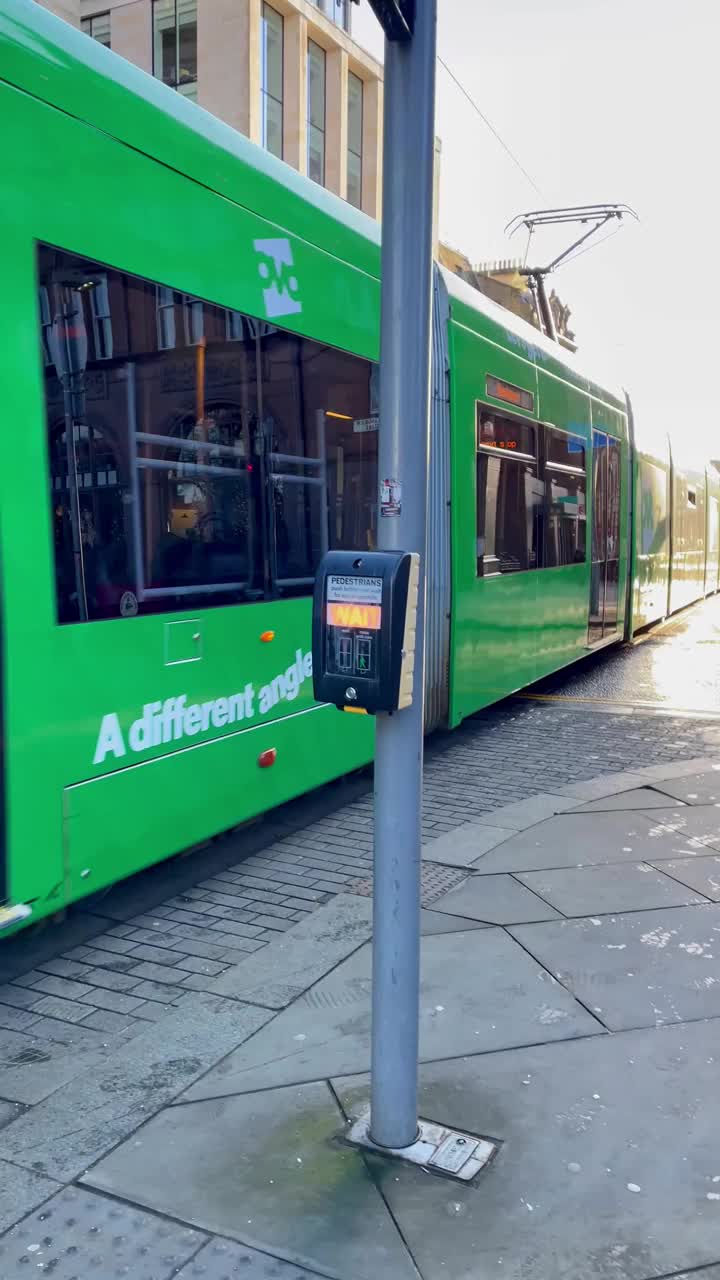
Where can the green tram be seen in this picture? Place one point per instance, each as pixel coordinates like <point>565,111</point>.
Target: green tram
<point>189,340</point>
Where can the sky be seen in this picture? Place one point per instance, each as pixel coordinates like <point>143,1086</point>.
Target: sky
<point>600,100</point>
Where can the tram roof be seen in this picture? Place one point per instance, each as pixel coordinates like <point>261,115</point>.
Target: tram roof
<point>541,347</point>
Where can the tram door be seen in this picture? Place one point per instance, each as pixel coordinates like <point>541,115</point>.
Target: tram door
<point>605,570</point>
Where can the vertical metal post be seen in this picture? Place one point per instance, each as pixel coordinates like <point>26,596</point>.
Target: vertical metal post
<point>137,515</point>
<point>548,318</point>
<point>409,151</point>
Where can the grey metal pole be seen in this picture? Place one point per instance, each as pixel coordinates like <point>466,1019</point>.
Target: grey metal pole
<point>409,137</point>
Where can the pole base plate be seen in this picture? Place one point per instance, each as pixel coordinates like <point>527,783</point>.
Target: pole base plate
<point>437,1149</point>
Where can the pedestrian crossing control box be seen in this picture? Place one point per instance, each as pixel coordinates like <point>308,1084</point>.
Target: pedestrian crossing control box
<point>364,623</point>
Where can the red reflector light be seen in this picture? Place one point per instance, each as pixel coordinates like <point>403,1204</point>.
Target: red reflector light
<point>267,758</point>
<point>267,636</point>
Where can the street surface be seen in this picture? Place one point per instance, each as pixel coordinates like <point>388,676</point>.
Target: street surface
<point>548,926</point>
<point>673,667</point>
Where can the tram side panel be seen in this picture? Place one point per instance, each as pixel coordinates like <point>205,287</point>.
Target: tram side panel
<point>652,540</point>
<point>519,513</point>
<point>139,726</point>
<point>687,563</point>
<point>493,627</point>
<point>609,515</point>
<point>34,683</point>
<point>563,583</point>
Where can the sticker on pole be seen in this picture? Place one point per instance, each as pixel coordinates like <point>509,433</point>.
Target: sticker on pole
<point>390,498</point>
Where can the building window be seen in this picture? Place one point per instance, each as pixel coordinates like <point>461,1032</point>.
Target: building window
<point>175,44</point>
<point>340,12</point>
<point>337,10</point>
<point>165,316</point>
<point>272,81</point>
<point>198,456</point>
<point>355,132</point>
<point>316,112</point>
<point>98,28</point>
<point>101,318</point>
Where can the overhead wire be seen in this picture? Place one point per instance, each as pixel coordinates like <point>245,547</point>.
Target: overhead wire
<point>489,125</point>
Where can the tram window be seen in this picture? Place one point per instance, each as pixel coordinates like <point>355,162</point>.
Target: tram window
<point>565,503</point>
<point>211,457</point>
<point>509,495</point>
<point>564,450</point>
<point>653,514</point>
<point>512,435</point>
<point>321,443</point>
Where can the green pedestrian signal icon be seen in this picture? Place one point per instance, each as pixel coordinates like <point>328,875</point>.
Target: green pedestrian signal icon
<point>363,655</point>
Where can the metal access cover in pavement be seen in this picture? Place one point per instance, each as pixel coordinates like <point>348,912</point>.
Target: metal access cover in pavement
<point>437,1149</point>
<point>435,881</point>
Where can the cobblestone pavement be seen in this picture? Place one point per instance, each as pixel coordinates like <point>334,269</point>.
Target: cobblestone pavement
<point>129,957</point>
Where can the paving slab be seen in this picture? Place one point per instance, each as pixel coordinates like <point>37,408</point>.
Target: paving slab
<point>702,874</point>
<point>225,1260</point>
<point>51,1053</point>
<point>677,769</point>
<point>38,1069</point>
<point>639,970</point>
<point>437,922</point>
<point>580,1188</point>
<point>524,813</point>
<point>618,886</point>
<point>85,1118</point>
<point>9,1111</point>
<point>573,839</point>
<point>478,989</point>
<point>700,823</point>
<point>20,1191</point>
<point>496,900</point>
<point>697,788</point>
<point>610,784</point>
<point>637,798</point>
<point>288,966</point>
<point>265,1169</point>
<point>463,846</point>
<point>79,1234</point>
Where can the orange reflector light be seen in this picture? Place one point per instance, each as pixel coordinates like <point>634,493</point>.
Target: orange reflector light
<point>267,636</point>
<point>356,711</point>
<point>267,758</point>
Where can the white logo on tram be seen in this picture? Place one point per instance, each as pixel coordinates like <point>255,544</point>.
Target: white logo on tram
<point>280,296</point>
